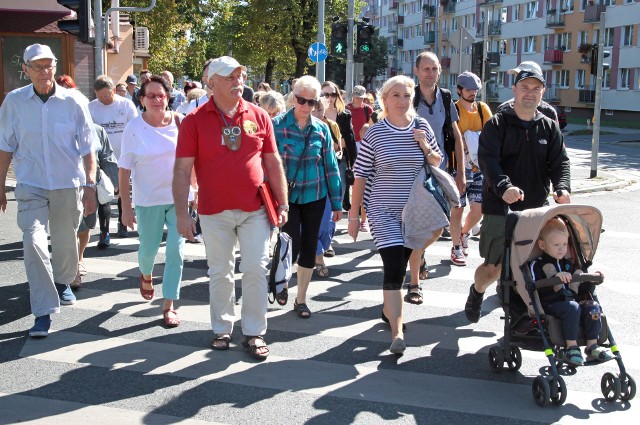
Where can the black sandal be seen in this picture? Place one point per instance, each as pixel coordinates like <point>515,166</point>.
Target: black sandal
<point>282,297</point>
<point>225,339</point>
<point>385,319</point>
<point>414,294</point>
<point>253,348</point>
<point>302,310</point>
<point>423,268</point>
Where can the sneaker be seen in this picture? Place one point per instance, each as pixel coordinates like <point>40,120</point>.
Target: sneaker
<point>457,257</point>
<point>122,231</point>
<point>464,243</point>
<point>77,282</point>
<point>40,327</point>
<point>209,272</point>
<point>472,307</point>
<point>104,241</point>
<point>196,239</point>
<point>66,294</point>
<point>364,227</point>
<point>475,231</point>
<point>525,326</point>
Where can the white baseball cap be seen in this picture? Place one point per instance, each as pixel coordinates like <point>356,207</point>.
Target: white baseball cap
<point>38,51</point>
<point>223,66</point>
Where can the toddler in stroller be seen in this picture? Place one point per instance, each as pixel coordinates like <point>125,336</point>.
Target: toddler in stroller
<point>562,300</point>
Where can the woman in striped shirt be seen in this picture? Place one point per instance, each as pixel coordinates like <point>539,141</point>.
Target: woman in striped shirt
<point>391,155</point>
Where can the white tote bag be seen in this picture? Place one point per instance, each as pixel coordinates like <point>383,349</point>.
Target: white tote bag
<point>106,191</point>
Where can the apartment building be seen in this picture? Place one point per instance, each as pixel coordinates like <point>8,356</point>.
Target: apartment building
<point>557,34</point>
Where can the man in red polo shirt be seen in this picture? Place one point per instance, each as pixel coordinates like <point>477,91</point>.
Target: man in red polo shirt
<point>360,111</point>
<point>231,144</point>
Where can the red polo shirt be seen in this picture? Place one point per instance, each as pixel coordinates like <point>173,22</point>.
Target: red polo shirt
<point>227,180</point>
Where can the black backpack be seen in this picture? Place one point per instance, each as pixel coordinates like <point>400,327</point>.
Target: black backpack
<point>447,127</point>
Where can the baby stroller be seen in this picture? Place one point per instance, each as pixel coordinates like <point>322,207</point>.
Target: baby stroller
<point>516,289</point>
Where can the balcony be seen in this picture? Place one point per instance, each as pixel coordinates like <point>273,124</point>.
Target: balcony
<point>489,1</point>
<point>592,12</point>
<point>429,37</point>
<point>554,20</point>
<point>393,5</point>
<point>429,11</point>
<point>392,27</point>
<point>449,7</point>
<point>445,63</point>
<point>495,28</point>
<point>587,94</point>
<point>553,56</point>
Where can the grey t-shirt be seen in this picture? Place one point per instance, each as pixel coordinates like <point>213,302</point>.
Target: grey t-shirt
<point>435,116</point>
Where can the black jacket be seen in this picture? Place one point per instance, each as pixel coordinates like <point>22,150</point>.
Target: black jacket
<point>346,130</point>
<point>510,154</point>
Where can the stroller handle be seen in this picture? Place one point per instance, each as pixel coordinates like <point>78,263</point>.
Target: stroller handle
<point>584,277</point>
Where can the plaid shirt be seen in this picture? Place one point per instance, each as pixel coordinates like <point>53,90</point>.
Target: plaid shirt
<point>318,164</point>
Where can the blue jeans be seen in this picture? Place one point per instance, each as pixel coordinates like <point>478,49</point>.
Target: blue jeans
<point>327,229</point>
<point>570,312</point>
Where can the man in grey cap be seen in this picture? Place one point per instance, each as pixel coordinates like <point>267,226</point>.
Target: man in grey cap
<point>231,140</point>
<point>473,114</point>
<point>521,153</point>
<point>49,135</point>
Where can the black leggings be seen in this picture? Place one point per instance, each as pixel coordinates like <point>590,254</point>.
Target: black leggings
<point>303,226</point>
<point>394,266</point>
<point>104,215</point>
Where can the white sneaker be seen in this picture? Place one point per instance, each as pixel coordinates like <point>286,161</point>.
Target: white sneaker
<point>475,231</point>
<point>464,243</point>
<point>457,257</point>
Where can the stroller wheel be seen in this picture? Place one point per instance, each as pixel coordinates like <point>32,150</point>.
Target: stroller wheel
<point>558,391</point>
<point>541,391</point>
<point>496,359</point>
<point>516,359</point>
<point>627,387</point>
<point>610,386</point>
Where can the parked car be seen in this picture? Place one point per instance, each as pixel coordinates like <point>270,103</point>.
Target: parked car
<point>562,118</point>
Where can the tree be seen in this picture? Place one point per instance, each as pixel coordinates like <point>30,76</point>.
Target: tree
<point>377,61</point>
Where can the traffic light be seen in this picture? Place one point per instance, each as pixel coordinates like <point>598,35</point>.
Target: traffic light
<point>476,58</point>
<point>594,60</point>
<point>81,26</point>
<point>339,31</point>
<point>365,33</point>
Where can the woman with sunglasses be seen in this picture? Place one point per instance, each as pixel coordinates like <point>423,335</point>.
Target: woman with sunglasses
<point>391,154</point>
<point>336,111</point>
<point>306,147</point>
<point>148,156</point>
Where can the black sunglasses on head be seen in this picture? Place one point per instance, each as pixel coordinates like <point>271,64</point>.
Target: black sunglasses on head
<point>302,101</point>
<point>329,94</point>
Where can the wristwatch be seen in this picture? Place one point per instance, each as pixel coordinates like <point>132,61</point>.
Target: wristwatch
<point>91,185</point>
<point>284,208</point>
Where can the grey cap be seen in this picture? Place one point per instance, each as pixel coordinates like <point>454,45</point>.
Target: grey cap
<point>469,80</point>
<point>359,91</point>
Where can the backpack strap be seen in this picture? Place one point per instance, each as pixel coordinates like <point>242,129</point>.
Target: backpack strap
<point>479,106</point>
<point>447,129</point>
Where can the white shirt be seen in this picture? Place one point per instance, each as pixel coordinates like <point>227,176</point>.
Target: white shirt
<point>191,106</point>
<point>113,118</point>
<point>150,153</point>
<point>48,140</point>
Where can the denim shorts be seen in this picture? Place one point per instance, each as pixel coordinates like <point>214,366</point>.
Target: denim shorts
<point>473,190</point>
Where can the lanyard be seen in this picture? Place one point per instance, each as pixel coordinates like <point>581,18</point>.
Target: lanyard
<point>230,134</point>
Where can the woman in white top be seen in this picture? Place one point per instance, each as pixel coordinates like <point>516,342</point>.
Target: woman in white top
<point>148,155</point>
<point>391,154</point>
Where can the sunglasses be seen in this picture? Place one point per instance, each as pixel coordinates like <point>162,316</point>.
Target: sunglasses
<point>156,96</point>
<point>329,94</point>
<point>302,101</point>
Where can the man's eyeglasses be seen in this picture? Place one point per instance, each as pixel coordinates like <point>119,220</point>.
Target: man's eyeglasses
<point>40,68</point>
<point>155,96</point>
<point>302,101</point>
<point>329,95</point>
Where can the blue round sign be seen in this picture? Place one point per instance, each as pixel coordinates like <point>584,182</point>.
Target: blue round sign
<point>317,52</point>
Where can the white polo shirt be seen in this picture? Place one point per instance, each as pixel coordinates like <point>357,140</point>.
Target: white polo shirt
<point>113,118</point>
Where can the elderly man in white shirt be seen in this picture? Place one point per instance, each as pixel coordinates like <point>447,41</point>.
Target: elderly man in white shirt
<point>49,135</point>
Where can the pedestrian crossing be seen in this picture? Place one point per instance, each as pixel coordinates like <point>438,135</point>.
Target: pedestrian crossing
<point>332,368</point>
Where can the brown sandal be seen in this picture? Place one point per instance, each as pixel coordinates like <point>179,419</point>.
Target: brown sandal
<point>171,322</point>
<point>223,340</point>
<point>147,294</point>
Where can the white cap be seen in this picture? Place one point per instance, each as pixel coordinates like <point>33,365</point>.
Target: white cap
<point>38,51</point>
<point>223,66</point>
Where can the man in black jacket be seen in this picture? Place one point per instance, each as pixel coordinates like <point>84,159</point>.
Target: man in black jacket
<point>521,152</point>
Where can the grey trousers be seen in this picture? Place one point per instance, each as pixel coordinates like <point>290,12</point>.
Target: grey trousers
<point>60,210</point>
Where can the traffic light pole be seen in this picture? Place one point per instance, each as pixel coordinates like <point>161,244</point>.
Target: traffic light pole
<point>320,66</point>
<point>348,81</point>
<point>485,37</point>
<point>597,107</point>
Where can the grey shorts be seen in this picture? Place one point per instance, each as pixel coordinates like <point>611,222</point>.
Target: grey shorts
<point>492,239</point>
<point>88,223</point>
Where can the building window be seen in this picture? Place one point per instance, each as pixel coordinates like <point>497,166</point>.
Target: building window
<point>627,35</point>
<point>566,6</point>
<point>501,79</point>
<point>636,85</point>
<point>532,10</point>
<point>454,24</point>
<point>583,37</point>
<point>546,42</point>
<point>529,44</point>
<point>606,79</point>
<point>503,15</point>
<point>503,47</point>
<point>580,76</point>
<point>562,79</point>
<point>609,2</point>
<point>514,46</point>
<point>516,12</point>
<point>453,79</point>
<point>608,37</point>
<point>623,80</point>
<point>564,41</point>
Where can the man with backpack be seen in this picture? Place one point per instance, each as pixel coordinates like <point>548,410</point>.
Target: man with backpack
<point>473,115</point>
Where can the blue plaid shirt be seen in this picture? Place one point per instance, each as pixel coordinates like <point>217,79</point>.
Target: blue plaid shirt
<point>318,165</point>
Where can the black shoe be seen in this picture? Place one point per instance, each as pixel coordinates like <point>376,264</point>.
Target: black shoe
<point>104,241</point>
<point>472,307</point>
<point>122,231</point>
<point>386,320</point>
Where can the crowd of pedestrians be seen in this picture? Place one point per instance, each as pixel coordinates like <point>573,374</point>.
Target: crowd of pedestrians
<point>320,154</point>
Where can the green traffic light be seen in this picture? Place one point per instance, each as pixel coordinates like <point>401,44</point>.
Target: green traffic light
<point>365,48</point>
<point>339,48</point>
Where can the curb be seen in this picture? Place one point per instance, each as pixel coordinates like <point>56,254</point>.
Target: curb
<point>606,187</point>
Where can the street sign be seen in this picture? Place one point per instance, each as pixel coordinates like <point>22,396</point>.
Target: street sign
<point>317,52</point>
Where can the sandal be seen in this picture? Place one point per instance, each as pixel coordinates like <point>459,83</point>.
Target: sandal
<point>414,294</point>
<point>222,341</point>
<point>147,294</point>
<point>424,271</point>
<point>573,356</point>
<point>398,346</point>
<point>599,353</point>
<point>322,270</point>
<point>171,322</point>
<point>282,297</point>
<point>330,253</point>
<point>254,349</point>
<point>82,270</point>
<point>385,319</point>
<point>302,310</point>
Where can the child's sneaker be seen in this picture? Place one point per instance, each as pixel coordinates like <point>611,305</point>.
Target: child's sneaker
<point>573,356</point>
<point>598,353</point>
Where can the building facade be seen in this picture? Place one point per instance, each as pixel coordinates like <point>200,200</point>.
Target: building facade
<point>557,34</point>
